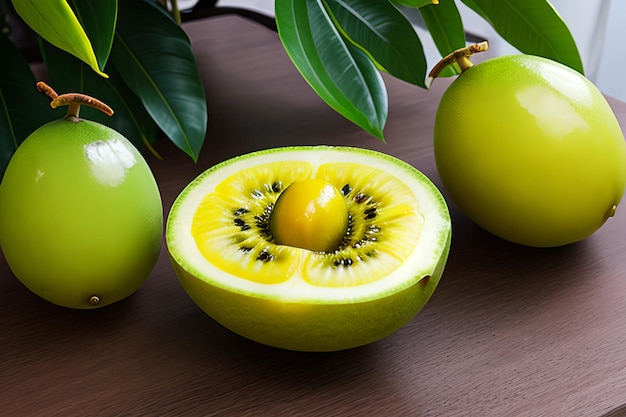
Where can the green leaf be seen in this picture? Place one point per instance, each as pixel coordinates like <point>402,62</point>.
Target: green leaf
<point>153,55</point>
<point>383,33</point>
<point>532,26</point>
<point>55,21</point>
<point>339,72</point>
<point>416,3</point>
<point>98,19</point>
<point>68,74</point>
<point>444,24</point>
<point>472,5</point>
<point>22,108</point>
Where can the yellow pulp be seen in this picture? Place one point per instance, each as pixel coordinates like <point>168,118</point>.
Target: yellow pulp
<point>310,214</point>
<point>231,226</point>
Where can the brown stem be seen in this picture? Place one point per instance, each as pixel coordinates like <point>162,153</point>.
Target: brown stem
<point>460,56</point>
<point>73,101</point>
<point>47,90</point>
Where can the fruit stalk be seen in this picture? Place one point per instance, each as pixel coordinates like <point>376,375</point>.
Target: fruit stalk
<point>73,101</point>
<point>460,56</point>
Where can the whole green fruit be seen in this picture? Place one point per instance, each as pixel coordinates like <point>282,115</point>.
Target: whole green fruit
<point>81,218</point>
<point>530,150</point>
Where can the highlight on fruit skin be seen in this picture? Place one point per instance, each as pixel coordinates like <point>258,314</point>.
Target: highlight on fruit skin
<point>81,218</point>
<point>384,270</point>
<point>529,149</point>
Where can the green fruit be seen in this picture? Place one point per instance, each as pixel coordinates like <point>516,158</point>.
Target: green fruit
<point>81,218</point>
<point>355,291</point>
<point>530,150</point>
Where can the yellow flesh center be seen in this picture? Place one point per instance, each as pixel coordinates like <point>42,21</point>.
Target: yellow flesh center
<point>231,226</point>
<point>310,214</point>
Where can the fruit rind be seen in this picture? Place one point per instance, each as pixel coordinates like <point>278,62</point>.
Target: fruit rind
<point>309,327</point>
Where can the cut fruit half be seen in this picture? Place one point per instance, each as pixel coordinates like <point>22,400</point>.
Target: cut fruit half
<point>381,274</point>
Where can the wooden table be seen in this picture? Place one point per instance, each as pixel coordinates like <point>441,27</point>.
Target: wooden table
<point>510,331</point>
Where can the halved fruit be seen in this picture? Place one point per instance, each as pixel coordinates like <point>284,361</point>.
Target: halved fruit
<point>377,278</point>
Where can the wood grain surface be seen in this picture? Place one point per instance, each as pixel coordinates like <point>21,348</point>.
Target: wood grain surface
<point>510,331</point>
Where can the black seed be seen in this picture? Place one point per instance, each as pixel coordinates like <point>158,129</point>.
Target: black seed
<point>372,229</point>
<point>343,262</point>
<point>242,224</point>
<point>360,197</point>
<point>241,211</point>
<point>350,227</point>
<point>261,221</point>
<point>277,186</point>
<point>346,189</point>
<point>245,248</point>
<point>257,194</point>
<point>369,216</point>
<point>265,256</point>
<point>370,210</point>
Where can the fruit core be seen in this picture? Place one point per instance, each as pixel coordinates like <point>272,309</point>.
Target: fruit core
<point>310,214</point>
